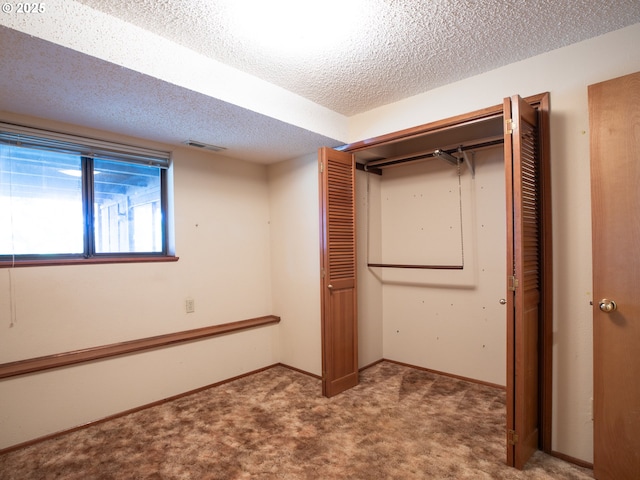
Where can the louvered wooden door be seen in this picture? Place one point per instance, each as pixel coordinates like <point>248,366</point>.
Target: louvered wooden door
<point>338,265</point>
<point>522,166</point>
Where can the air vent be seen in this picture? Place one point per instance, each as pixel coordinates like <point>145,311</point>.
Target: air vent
<point>205,146</point>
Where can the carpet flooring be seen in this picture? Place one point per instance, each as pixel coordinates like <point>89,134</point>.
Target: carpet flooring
<point>399,423</point>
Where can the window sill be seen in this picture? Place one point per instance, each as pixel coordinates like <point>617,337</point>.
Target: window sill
<point>85,261</point>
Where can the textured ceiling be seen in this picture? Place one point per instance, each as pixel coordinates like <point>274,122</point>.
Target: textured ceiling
<point>388,50</point>
<point>341,57</point>
<point>46,80</point>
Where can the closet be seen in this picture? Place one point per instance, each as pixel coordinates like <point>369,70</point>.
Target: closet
<point>516,133</point>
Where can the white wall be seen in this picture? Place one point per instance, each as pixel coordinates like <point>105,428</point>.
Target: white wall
<point>295,260</point>
<point>369,286</point>
<point>446,320</point>
<point>222,239</point>
<point>565,73</point>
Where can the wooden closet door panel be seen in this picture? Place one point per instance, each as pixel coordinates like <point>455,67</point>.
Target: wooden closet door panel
<point>522,165</point>
<point>338,264</point>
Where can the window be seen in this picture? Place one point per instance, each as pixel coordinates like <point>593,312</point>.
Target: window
<point>64,197</point>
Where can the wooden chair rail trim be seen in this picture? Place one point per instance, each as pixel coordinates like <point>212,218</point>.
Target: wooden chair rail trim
<point>38,364</point>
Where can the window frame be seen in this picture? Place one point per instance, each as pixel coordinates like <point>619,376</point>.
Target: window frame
<point>89,150</point>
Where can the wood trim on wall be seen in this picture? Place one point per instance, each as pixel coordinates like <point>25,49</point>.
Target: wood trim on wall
<point>373,364</point>
<point>570,459</point>
<point>57,262</point>
<point>481,114</point>
<point>425,128</point>
<point>38,364</point>
<point>132,410</point>
<point>445,374</point>
<point>304,372</point>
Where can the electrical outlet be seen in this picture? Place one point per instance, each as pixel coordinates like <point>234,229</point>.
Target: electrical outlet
<point>190,305</point>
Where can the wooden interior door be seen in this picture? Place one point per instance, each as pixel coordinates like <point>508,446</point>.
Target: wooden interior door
<point>614,121</point>
<point>338,271</point>
<point>524,241</point>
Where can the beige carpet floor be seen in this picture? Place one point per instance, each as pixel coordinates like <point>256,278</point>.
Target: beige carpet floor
<point>399,423</point>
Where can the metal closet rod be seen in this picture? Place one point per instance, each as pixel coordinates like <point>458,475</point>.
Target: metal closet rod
<point>388,162</point>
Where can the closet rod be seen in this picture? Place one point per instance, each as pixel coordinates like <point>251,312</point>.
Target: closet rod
<point>388,162</point>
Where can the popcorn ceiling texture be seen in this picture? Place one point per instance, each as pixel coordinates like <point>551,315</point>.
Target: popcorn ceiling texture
<point>173,70</point>
<point>43,79</point>
<point>392,49</point>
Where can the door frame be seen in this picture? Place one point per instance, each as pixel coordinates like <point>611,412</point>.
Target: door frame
<point>540,102</point>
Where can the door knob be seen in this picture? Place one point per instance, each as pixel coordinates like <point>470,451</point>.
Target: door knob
<point>503,301</point>
<point>329,286</point>
<point>607,306</point>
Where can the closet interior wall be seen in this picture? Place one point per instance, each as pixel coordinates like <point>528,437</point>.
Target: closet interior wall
<point>368,236</point>
<point>422,213</point>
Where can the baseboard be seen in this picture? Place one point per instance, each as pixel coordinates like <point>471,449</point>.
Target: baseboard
<point>561,456</point>
<point>445,374</point>
<point>304,372</point>
<point>318,377</point>
<point>133,410</point>
<point>569,459</point>
<point>361,369</point>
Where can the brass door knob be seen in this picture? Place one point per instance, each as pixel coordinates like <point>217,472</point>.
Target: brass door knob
<point>607,305</point>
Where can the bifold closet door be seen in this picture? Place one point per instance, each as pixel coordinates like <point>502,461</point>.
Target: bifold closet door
<point>522,167</point>
<point>338,271</point>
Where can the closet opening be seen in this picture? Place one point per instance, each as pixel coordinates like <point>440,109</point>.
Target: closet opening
<point>451,146</point>
<point>400,175</point>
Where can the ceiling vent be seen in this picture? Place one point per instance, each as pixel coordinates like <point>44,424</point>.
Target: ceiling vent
<point>204,146</point>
